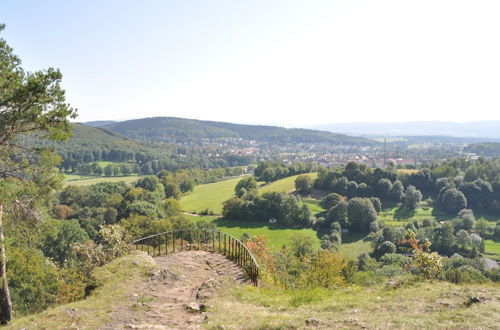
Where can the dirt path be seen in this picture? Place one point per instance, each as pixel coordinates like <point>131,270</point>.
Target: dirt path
<point>175,297</point>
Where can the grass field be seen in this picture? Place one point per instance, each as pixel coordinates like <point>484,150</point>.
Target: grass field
<point>313,205</point>
<point>394,215</point>
<point>286,184</point>
<point>73,177</point>
<point>277,235</point>
<point>209,196</point>
<point>89,181</point>
<point>353,245</point>
<point>492,246</point>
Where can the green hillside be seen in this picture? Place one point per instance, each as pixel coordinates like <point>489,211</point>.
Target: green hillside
<point>89,138</point>
<point>170,129</point>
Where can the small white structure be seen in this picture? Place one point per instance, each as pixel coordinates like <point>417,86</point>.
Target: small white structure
<point>272,220</point>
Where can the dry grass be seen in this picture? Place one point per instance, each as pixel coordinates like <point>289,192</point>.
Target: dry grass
<point>428,305</point>
<point>114,279</point>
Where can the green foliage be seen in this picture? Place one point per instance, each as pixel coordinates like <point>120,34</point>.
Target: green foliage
<point>325,270</point>
<point>247,183</point>
<point>464,274</point>
<point>304,184</point>
<point>301,245</point>
<point>412,198</point>
<point>139,226</point>
<point>33,280</point>
<point>338,213</point>
<point>384,248</point>
<point>286,209</point>
<point>452,200</point>
<point>330,200</point>
<point>361,214</point>
<point>59,236</point>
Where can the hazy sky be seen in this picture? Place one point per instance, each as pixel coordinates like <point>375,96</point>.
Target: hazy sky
<point>291,63</point>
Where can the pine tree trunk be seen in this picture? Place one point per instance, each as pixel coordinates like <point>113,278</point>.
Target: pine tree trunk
<point>5,301</point>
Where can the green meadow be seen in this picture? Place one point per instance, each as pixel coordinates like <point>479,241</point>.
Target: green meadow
<point>82,181</point>
<point>286,184</point>
<point>277,235</point>
<point>211,196</point>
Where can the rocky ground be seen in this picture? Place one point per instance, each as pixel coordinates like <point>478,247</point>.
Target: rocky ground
<point>176,296</point>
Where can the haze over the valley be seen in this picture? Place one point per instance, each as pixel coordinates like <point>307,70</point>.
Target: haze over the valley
<point>288,63</point>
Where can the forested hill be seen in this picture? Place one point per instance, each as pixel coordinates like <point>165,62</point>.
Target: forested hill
<point>179,130</point>
<point>89,138</point>
<point>488,149</point>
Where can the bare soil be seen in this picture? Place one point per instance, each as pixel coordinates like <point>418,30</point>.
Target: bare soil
<point>178,295</point>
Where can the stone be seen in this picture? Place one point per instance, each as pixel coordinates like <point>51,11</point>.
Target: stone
<point>313,322</point>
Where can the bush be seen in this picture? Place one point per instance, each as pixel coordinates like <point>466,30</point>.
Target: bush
<point>464,274</point>
<point>365,262</point>
<point>330,201</point>
<point>377,205</point>
<point>384,248</point>
<point>361,214</point>
<point>395,259</point>
<point>304,184</point>
<point>325,270</point>
<point>33,280</point>
<point>389,271</point>
<point>493,274</point>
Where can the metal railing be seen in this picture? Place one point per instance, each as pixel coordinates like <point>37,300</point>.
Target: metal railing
<point>202,239</point>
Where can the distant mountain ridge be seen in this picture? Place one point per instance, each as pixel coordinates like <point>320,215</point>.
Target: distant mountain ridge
<point>175,130</point>
<point>480,129</point>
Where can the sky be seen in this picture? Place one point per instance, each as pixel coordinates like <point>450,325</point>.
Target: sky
<point>289,63</point>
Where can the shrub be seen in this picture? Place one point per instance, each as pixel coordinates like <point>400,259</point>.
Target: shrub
<point>493,274</point>
<point>325,270</point>
<point>389,271</point>
<point>365,262</point>
<point>395,259</point>
<point>464,274</point>
<point>330,200</point>
<point>384,248</point>
<point>304,184</point>
<point>377,205</point>
<point>33,280</point>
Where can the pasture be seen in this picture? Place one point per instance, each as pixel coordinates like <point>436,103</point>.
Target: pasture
<point>93,180</point>
<point>209,196</point>
<point>277,235</point>
<point>286,184</point>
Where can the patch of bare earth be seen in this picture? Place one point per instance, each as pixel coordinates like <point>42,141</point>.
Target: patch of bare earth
<point>178,295</point>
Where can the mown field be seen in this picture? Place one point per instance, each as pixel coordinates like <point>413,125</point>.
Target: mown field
<point>277,235</point>
<point>211,196</point>
<point>286,184</point>
<point>83,181</point>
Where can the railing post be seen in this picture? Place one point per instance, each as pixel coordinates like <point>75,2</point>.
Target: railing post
<point>233,249</point>
<point>190,240</point>
<point>213,240</point>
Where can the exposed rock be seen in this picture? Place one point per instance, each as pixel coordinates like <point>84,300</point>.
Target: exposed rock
<point>474,300</point>
<point>195,307</point>
<point>313,322</point>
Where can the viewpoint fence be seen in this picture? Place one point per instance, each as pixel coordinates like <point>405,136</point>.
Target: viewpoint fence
<point>202,239</point>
